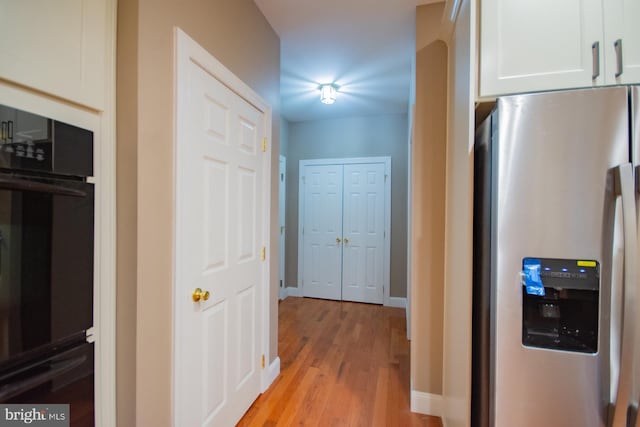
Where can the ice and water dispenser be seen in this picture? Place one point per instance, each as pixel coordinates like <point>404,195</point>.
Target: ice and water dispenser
<point>560,304</point>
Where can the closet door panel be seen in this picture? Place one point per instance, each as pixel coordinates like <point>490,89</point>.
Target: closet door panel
<point>363,229</point>
<point>322,232</point>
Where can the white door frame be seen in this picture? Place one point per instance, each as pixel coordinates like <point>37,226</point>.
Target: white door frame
<point>282,219</point>
<point>187,51</point>
<point>387,212</point>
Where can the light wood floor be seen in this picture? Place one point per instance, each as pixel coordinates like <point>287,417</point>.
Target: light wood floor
<point>342,364</point>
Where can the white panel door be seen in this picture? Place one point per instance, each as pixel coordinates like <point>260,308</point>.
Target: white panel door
<point>363,230</point>
<point>322,232</point>
<point>220,197</point>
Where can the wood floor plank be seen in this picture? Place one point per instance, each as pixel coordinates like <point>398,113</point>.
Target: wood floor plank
<point>296,399</point>
<point>342,364</point>
<point>380,403</point>
<point>315,400</point>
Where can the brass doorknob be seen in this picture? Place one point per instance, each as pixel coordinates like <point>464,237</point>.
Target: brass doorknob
<point>338,240</point>
<point>346,240</point>
<point>199,294</point>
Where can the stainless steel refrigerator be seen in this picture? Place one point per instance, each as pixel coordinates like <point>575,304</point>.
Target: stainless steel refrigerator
<point>555,323</point>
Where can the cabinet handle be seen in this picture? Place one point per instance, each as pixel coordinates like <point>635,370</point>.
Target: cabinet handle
<point>11,130</point>
<point>3,133</point>
<point>617,45</point>
<point>595,54</point>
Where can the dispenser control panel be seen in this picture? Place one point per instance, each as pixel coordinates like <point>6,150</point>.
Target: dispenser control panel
<point>560,303</point>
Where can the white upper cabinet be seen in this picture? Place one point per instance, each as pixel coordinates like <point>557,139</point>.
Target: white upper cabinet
<point>622,41</point>
<point>57,47</point>
<point>539,45</point>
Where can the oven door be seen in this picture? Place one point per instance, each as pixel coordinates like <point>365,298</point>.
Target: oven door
<point>46,264</point>
<point>65,377</point>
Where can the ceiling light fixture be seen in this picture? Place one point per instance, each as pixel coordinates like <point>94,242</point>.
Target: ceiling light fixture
<point>328,93</point>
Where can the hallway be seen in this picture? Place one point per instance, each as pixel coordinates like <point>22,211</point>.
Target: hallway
<point>343,364</point>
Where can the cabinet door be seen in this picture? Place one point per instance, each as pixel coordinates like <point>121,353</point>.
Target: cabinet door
<point>622,41</point>
<point>58,47</point>
<point>539,45</point>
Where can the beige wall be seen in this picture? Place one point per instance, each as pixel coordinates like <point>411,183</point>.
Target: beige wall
<point>428,19</point>
<point>126,193</point>
<point>370,136</point>
<point>239,36</point>
<point>284,137</point>
<point>428,202</point>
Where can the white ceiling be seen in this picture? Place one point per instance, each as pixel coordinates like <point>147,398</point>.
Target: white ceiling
<point>363,46</point>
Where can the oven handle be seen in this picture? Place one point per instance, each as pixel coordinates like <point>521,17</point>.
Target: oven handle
<point>56,368</point>
<point>12,183</point>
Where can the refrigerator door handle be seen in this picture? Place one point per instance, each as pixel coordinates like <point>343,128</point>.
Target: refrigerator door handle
<point>636,390</point>
<point>625,189</point>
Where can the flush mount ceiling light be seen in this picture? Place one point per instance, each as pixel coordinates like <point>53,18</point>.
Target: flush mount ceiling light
<point>328,93</point>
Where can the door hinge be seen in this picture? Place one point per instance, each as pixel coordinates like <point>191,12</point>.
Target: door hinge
<point>303,179</point>
<point>262,361</point>
<point>264,144</point>
<point>263,253</point>
<point>385,177</point>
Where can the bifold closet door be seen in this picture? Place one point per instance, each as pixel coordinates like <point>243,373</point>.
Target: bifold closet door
<point>343,232</point>
<point>363,233</point>
<point>322,232</point>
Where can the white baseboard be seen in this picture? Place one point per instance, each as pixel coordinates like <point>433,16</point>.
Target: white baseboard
<point>426,403</point>
<point>399,302</point>
<point>292,291</point>
<point>272,373</point>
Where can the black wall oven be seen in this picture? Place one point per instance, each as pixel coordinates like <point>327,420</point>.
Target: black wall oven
<point>46,263</point>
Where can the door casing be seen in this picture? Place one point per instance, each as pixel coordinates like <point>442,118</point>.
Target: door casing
<point>282,194</point>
